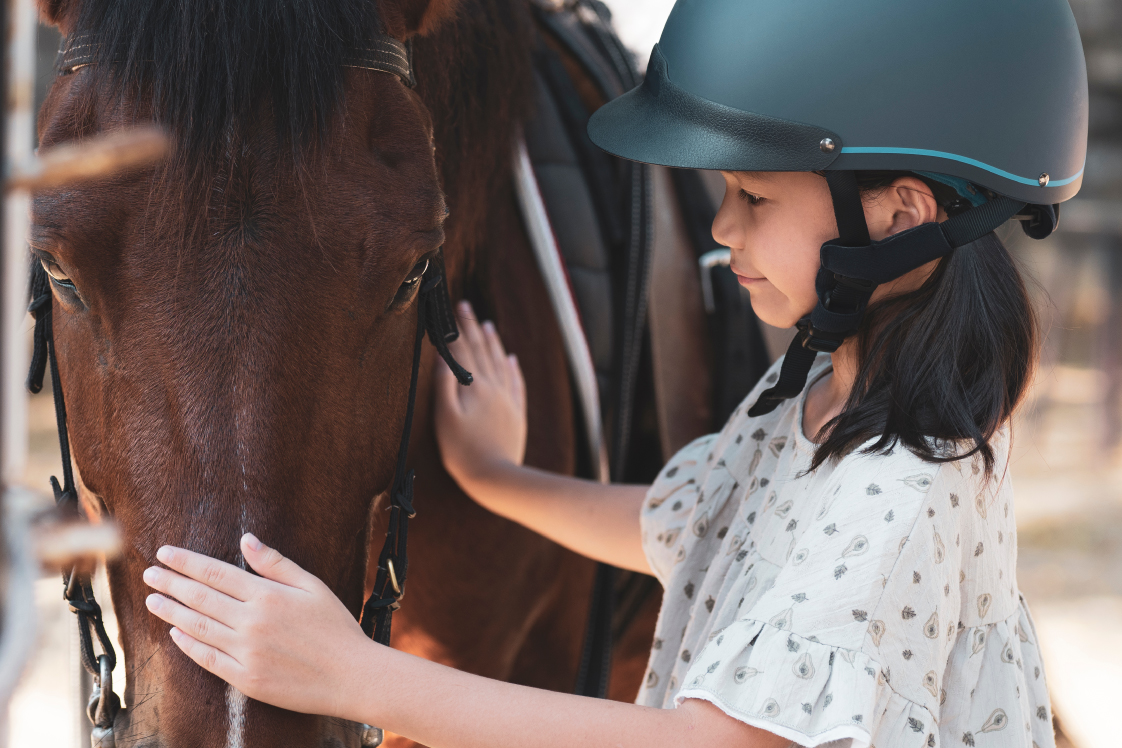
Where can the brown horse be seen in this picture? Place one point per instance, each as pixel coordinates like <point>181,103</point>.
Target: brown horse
<point>235,327</point>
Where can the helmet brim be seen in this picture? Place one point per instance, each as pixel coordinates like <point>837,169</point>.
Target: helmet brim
<point>661,123</point>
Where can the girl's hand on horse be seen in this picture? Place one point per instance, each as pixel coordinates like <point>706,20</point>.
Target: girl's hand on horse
<point>283,637</point>
<point>481,427</point>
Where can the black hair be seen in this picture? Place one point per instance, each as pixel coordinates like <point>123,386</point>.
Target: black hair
<point>944,365</point>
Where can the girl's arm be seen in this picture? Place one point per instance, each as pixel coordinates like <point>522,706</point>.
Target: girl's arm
<point>481,430</point>
<point>283,638</point>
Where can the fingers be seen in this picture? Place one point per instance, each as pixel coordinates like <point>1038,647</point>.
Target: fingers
<point>472,334</point>
<point>198,596</point>
<point>201,628</point>
<point>496,352</point>
<point>269,563</point>
<point>218,575</point>
<point>480,349</point>
<point>460,348</point>
<point>207,657</point>
<point>517,382</point>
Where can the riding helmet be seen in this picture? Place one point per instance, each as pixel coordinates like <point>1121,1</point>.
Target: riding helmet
<point>986,96</point>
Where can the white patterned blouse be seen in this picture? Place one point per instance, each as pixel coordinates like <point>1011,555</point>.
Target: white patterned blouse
<point>872,602</point>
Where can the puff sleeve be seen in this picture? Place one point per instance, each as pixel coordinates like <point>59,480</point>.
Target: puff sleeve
<point>669,504</point>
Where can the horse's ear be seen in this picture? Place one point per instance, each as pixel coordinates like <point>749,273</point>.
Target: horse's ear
<point>60,13</point>
<point>406,18</point>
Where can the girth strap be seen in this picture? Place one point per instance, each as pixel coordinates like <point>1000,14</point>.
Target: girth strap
<point>583,30</point>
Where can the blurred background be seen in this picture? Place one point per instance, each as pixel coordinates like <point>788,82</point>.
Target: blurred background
<point>1067,465</point>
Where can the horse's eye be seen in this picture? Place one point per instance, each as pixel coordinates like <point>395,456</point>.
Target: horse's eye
<point>416,273</point>
<point>52,268</point>
<point>407,291</point>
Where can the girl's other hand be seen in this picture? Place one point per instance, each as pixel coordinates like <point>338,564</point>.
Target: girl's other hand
<point>481,427</point>
<point>283,637</point>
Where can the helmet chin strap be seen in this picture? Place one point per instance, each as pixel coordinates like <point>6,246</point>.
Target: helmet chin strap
<point>853,265</point>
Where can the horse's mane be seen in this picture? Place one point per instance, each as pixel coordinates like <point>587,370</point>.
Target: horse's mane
<point>213,69</point>
<point>475,75</point>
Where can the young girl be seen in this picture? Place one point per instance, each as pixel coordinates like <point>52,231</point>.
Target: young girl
<point>839,562</point>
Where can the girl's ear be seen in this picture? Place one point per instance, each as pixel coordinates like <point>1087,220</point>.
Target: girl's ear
<point>406,18</point>
<point>907,203</point>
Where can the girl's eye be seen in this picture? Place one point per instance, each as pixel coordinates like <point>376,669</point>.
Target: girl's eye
<point>750,198</point>
<point>57,276</point>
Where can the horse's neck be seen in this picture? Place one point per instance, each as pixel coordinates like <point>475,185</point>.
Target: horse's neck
<point>474,74</point>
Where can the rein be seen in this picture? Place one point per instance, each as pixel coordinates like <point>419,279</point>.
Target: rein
<point>434,317</point>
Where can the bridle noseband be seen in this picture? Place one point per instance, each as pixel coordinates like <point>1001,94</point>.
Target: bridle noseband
<point>434,317</point>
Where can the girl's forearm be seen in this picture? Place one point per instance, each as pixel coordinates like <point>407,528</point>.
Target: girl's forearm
<point>596,520</point>
<point>445,708</point>
<point>284,638</point>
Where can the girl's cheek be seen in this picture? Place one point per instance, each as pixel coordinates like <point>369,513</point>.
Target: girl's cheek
<point>771,305</point>
<point>788,293</point>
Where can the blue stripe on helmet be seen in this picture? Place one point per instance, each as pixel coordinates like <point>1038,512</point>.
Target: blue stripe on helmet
<point>964,160</point>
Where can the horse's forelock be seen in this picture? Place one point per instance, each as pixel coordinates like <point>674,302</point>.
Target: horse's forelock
<point>210,71</point>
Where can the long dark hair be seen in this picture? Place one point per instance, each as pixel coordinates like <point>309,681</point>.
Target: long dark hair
<point>947,362</point>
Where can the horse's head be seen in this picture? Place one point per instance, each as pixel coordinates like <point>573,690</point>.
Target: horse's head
<point>235,327</point>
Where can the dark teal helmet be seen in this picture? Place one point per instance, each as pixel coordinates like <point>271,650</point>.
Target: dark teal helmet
<point>982,93</point>
<point>992,92</point>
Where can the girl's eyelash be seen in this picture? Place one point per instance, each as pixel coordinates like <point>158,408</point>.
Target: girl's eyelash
<point>750,198</point>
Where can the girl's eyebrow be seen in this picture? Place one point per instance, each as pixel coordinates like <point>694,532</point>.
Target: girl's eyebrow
<point>756,176</point>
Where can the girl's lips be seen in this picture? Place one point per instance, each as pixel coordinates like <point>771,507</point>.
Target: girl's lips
<point>746,281</point>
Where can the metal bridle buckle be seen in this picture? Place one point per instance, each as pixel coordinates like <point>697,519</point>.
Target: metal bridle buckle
<point>104,706</point>
<point>372,737</point>
<point>393,577</point>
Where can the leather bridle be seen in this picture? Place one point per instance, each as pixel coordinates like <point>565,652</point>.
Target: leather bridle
<point>434,316</point>
<point>383,54</point>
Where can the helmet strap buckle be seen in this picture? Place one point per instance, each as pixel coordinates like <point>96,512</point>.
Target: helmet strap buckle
<point>1039,221</point>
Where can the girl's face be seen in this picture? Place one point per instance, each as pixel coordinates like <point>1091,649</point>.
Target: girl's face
<point>775,223</point>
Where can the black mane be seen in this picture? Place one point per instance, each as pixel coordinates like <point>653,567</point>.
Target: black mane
<point>211,70</point>
<point>214,67</point>
<point>474,73</point>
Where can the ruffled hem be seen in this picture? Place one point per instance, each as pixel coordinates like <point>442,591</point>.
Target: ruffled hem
<point>999,664</point>
<point>804,691</point>
<point>859,738</point>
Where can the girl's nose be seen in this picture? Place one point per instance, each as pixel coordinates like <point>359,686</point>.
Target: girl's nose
<point>727,230</point>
